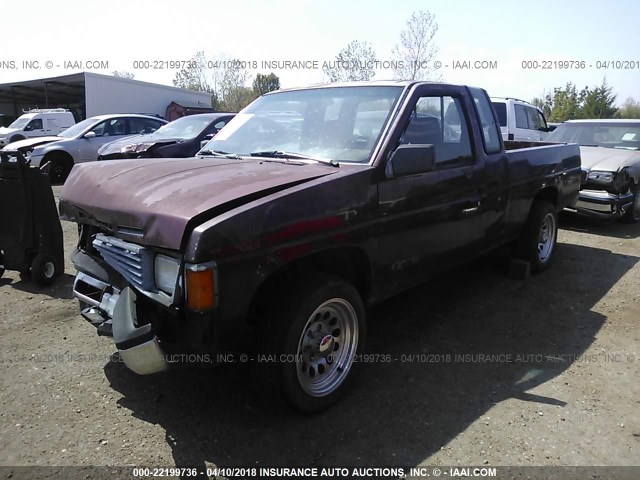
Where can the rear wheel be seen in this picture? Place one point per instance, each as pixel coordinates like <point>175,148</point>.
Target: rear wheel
<point>43,269</point>
<point>538,240</point>
<point>312,337</point>
<point>632,215</point>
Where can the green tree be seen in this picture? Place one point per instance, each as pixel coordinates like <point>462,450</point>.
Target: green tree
<point>194,75</point>
<point>416,51</point>
<point>266,83</point>
<point>231,80</point>
<point>122,74</point>
<point>629,109</point>
<point>353,63</point>
<point>598,102</point>
<point>565,104</point>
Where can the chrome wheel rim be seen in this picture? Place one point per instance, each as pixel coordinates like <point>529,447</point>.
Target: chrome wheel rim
<point>49,269</point>
<point>546,237</point>
<point>327,347</point>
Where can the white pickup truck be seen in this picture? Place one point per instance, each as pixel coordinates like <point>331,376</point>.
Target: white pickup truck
<point>519,120</point>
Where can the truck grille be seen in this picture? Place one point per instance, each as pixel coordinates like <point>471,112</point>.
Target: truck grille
<point>133,262</point>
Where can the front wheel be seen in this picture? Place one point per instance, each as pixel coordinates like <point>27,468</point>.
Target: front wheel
<point>539,237</point>
<point>312,337</point>
<point>632,215</point>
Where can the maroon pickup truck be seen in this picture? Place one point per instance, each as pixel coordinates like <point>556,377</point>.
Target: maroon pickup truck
<point>308,206</point>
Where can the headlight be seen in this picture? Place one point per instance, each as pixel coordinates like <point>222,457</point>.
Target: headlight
<point>166,273</point>
<point>601,177</point>
<point>136,147</point>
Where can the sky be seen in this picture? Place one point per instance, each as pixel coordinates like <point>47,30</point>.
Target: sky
<point>504,33</point>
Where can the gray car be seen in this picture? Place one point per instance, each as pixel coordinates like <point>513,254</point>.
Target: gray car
<point>80,143</point>
<point>610,152</point>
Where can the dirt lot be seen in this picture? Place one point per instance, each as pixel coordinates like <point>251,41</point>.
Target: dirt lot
<point>538,372</point>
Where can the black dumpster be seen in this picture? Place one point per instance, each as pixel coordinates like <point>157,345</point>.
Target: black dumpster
<point>30,230</point>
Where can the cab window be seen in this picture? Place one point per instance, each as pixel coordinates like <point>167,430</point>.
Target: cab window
<point>438,121</point>
<point>490,130</point>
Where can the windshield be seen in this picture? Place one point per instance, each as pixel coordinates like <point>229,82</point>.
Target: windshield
<point>337,123</point>
<point>20,122</point>
<point>78,128</point>
<point>600,134</point>
<point>185,127</point>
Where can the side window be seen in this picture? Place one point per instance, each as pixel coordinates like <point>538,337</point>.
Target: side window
<point>521,117</point>
<point>439,121</point>
<point>490,130</point>
<point>140,125</point>
<point>541,120</point>
<point>534,118</point>
<point>110,128</point>
<point>501,110</point>
<point>35,124</point>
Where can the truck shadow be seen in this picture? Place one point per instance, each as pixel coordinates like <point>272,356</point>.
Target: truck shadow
<point>61,288</point>
<point>598,226</point>
<point>453,343</point>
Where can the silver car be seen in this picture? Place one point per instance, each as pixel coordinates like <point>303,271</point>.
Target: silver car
<point>80,143</point>
<point>610,153</point>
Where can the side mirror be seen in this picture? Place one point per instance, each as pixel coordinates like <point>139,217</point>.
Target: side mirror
<point>411,159</point>
<point>90,135</point>
<point>551,128</point>
<point>28,128</point>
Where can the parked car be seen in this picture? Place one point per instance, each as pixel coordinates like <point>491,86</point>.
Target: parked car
<point>37,123</point>
<point>286,225</point>
<point>181,138</point>
<point>519,120</point>
<point>81,142</point>
<point>610,151</point>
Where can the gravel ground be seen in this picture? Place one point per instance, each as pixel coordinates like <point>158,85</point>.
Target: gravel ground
<point>543,371</point>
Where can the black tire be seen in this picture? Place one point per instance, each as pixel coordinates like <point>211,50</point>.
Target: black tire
<point>315,301</point>
<point>59,168</point>
<point>538,240</point>
<point>2,269</point>
<point>16,138</point>
<point>44,269</point>
<point>632,215</point>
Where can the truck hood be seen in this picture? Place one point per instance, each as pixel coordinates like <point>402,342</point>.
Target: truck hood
<point>6,131</point>
<point>608,159</point>
<point>153,201</point>
<point>32,142</point>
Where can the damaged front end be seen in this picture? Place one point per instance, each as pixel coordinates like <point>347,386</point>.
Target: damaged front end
<point>135,294</point>
<point>607,193</point>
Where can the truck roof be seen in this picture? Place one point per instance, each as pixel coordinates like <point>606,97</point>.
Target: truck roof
<point>368,83</point>
<point>605,120</point>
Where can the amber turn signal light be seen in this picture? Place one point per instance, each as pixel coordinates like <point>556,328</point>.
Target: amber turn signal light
<point>200,287</point>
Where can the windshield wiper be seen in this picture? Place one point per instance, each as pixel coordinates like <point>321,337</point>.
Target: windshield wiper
<point>220,153</point>
<point>293,156</point>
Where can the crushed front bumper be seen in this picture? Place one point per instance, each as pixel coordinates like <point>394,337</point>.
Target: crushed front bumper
<point>114,311</point>
<point>599,203</point>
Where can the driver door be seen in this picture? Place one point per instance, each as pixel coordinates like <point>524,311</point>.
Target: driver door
<point>105,132</point>
<point>434,219</point>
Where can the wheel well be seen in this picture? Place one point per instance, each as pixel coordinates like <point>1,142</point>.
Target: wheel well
<point>349,263</point>
<point>59,154</point>
<point>548,194</point>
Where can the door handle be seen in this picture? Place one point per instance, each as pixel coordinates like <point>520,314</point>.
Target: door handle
<point>470,210</point>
